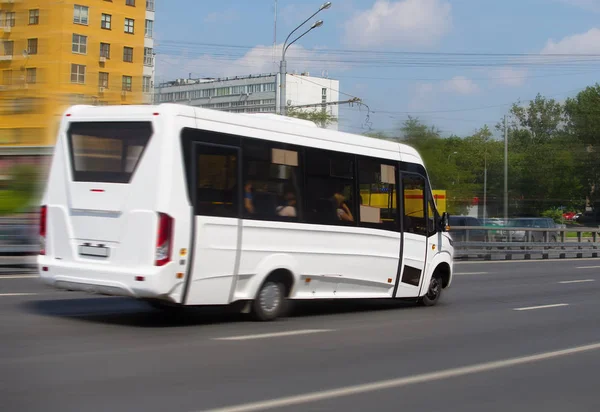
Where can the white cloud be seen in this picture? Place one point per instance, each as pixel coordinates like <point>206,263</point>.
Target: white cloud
<point>584,43</point>
<point>421,98</point>
<point>592,5</point>
<point>406,23</point>
<point>227,16</point>
<point>260,59</point>
<point>460,85</point>
<point>508,76</point>
<point>425,94</point>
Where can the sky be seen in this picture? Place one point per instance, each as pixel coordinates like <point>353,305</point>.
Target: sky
<point>454,64</point>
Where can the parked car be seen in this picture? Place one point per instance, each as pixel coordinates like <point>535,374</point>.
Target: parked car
<point>460,235</point>
<point>530,222</point>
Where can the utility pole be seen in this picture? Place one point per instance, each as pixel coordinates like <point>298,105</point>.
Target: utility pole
<point>286,45</point>
<point>485,188</point>
<point>505,169</point>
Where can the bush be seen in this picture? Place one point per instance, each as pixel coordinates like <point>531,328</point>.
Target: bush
<point>554,214</point>
<point>20,190</point>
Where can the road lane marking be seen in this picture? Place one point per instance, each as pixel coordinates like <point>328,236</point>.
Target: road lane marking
<point>588,267</point>
<point>564,282</point>
<point>543,306</point>
<point>2,277</point>
<point>470,273</point>
<point>553,260</point>
<point>18,294</point>
<point>400,382</point>
<point>276,334</point>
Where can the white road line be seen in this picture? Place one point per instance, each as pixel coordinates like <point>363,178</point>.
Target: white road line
<point>276,334</point>
<point>470,273</point>
<point>18,294</point>
<point>2,277</point>
<point>564,282</point>
<point>543,306</point>
<point>588,267</point>
<point>399,382</point>
<point>493,262</point>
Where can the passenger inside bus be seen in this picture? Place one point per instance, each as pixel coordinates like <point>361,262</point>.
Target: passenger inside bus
<point>343,212</point>
<point>290,209</point>
<point>248,198</point>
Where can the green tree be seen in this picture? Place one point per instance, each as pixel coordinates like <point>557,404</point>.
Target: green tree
<point>583,125</point>
<point>320,117</point>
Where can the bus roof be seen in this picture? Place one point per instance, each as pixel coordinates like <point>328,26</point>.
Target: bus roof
<point>264,121</point>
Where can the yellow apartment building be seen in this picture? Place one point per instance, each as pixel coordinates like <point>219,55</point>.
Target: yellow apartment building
<point>56,53</point>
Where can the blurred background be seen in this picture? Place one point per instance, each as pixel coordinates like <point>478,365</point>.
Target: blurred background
<point>54,54</point>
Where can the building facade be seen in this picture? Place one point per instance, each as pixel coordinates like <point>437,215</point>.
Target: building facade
<point>54,54</point>
<point>253,94</point>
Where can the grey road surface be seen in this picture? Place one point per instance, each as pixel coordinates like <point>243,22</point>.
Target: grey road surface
<point>491,344</point>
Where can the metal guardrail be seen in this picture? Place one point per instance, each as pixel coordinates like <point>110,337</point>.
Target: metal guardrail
<point>18,236</point>
<point>506,242</point>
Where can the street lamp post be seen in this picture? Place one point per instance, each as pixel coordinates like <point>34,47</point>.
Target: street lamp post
<point>485,189</point>
<point>283,64</point>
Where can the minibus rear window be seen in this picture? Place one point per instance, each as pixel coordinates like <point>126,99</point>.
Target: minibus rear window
<point>107,152</point>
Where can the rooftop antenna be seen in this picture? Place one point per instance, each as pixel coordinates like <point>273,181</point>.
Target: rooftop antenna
<point>275,35</point>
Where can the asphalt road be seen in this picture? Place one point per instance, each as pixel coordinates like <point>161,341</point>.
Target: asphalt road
<point>518,336</point>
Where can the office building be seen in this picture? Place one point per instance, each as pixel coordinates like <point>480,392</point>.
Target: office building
<point>252,94</point>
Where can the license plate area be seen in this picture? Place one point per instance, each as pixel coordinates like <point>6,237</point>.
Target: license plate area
<point>95,251</point>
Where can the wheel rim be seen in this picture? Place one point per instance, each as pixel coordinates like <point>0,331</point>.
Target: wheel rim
<point>270,298</point>
<point>434,289</point>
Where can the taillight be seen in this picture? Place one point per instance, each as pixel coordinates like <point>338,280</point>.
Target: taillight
<point>164,239</point>
<point>43,225</point>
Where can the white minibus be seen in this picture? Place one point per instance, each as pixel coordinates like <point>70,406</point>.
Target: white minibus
<point>178,205</point>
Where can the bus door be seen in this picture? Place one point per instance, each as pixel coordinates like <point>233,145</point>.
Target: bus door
<point>215,191</point>
<point>414,236</point>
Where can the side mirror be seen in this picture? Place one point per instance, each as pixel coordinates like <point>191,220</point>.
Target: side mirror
<point>445,222</point>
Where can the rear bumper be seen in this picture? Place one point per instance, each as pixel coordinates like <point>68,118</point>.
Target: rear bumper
<point>104,280</point>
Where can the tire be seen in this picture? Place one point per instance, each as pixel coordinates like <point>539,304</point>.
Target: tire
<point>270,302</point>
<point>434,291</point>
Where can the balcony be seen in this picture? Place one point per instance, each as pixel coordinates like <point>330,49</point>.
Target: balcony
<point>149,5</point>
<point>6,58</point>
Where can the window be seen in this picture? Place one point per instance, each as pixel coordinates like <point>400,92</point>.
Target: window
<point>32,46</point>
<point>330,187</point>
<point>106,21</point>
<point>216,189</point>
<point>150,5</point>
<point>130,2</point>
<point>105,50</point>
<point>433,217</point>
<point>377,197</point>
<point>147,84</point>
<point>79,44</point>
<point>9,46</point>
<point>223,91</point>
<point>34,16</point>
<point>31,76</point>
<point>271,181</point>
<point>10,19</point>
<point>77,73</point>
<point>103,80</point>
<point>80,14</point>
<point>128,54</point>
<point>413,187</point>
<point>149,28</point>
<point>127,83</point>
<point>129,23</point>
<point>107,152</point>
<point>7,77</point>
<point>148,56</point>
